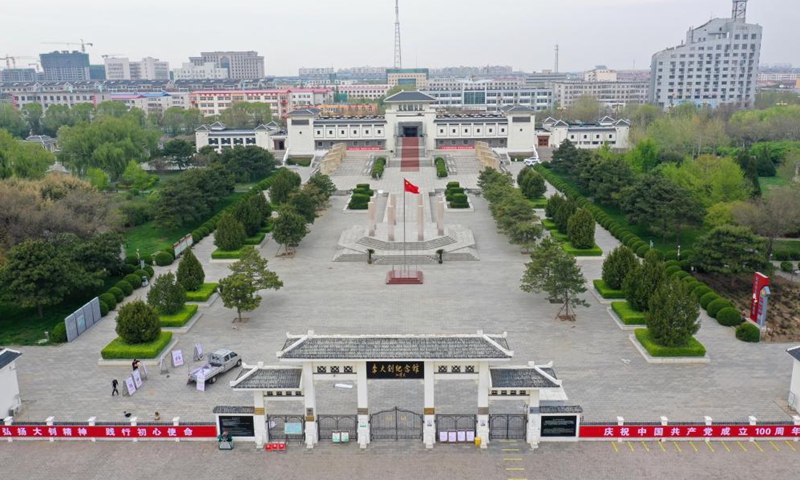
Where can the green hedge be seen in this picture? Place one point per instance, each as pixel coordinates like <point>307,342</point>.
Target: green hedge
<point>164,258</point>
<point>628,315</point>
<point>582,252</point>
<point>606,292</point>
<point>203,293</point>
<point>125,286</point>
<point>700,291</point>
<point>748,332</point>
<point>118,349</point>
<point>179,319</point>
<point>441,167</point>
<point>378,167</point>
<point>671,269</point>
<point>693,349</point>
<point>109,300</point>
<point>255,239</point>
<point>538,202</point>
<point>134,280</point>
<point>787,267</point>
<point>549,224</point>
<point>119,295</point>
<point>729,317</point>
<point>716,305</point>
<point>223,255</point>
<point>706,299</point>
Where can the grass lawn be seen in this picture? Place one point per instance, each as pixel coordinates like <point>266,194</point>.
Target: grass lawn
<point>688,236</point>
<point>301,161</point>
<point>148,238</point>
<point>538,202</point>
<point>223,255</point>
<point>23,326</point>
<point>118,349</point>
<point>605,291</point>
<point>203,293</point>
<point>628,315</point>
<point>781,179</point>
<point>788,247</point>
<point>692,349</point>
<point>179,319</point>
<point>549,224</point>
<point>582,252</point>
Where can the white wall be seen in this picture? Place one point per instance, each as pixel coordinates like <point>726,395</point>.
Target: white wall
<point>9,389</point>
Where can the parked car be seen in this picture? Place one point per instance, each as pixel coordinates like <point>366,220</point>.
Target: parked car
<point>220,361</point>
<point>531,161</point>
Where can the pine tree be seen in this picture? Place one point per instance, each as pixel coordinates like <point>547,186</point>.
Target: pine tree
<point>561,216</point>
<point>238,292</point>
<point>138,322</point>
<point>672,317</point>
<point>554,271</point>
<point>617,266</point>
<point>190,273</point>
<point>290,228</point>
<point>642,281</point>
<point>166,295</point>
<point>249,215</point>
<point>580,229</point>
<point>230,234</point>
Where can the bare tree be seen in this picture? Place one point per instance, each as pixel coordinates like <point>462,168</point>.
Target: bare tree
<point>773,216</point>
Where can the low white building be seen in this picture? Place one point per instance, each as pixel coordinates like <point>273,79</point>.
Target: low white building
<point>153,102</point>
<point>794,386</point>
<point>607,131</point>
<point>270,137</point>
<point>10,400</point>
<point>68,98</point>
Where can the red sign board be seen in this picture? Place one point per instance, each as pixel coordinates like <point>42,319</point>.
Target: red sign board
<point>457,147</point>
<point>111,431</point>
<point>760,281</point>
<point>364,148</point>
<point>688,431</point>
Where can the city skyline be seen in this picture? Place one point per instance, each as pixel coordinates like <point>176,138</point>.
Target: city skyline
<point>521,35</point>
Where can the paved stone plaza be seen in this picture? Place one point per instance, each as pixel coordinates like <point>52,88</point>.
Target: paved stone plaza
<point>401,461</point>
<point>600,368</point>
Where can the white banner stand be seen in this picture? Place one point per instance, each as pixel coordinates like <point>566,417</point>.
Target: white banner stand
<point>177,358</point>
<point>198,352</point>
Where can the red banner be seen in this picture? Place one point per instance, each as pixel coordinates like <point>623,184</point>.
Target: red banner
<point>457,147</point>
<point>364,148</point>
<point>688,431</point>
<point>759,282</point>
<point>112,431</point>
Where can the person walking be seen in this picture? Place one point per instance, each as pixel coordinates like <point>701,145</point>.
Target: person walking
<point>135,364</point>
<point>114,390</point>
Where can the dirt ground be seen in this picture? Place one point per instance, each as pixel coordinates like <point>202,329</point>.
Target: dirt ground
<point>783,316</point>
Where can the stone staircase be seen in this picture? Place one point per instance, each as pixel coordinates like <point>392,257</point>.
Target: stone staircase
<point>434,244</point>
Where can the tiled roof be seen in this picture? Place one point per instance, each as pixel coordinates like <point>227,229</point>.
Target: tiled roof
<point>794,352</point>
<point>264,378</point>
<point>397,347</point>
<point>522,378</point>
<point>7,356</point>
<point>409,96</point>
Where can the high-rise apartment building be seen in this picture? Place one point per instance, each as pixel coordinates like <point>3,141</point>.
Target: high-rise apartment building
<point>149,68</point>
<point>240,65</point>
<point>717,64</point>
<point>18,75</point>
<point>65,66</point>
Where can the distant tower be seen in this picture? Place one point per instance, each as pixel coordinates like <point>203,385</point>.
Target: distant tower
<point>739,14</point>
<point>398,57</point>
<point>555,67</point>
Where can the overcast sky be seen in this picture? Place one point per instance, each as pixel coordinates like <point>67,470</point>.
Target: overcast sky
<point>344,33</point>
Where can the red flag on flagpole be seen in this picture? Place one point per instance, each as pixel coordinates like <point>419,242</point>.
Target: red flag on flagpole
<point>410,187</point>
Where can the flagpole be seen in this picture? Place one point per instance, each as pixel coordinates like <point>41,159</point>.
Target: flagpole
<point>405,264</point>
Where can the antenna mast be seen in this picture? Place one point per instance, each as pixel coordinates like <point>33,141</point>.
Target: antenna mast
<point>555,67</point>
<point>398,57</point>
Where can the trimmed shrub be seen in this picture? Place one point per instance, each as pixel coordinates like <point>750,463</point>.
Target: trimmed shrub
<point>149,270</point>
<point>672,263</point>
<point>358,201</point>
<point>459,201</point>
<point>658,253</point>
<point>109,300</point>
<point>729,317</point>
<point>131,260</point>
<point>441,167</point>
<point>138,322</point>
<point>59,333</point>
<point>125,286</point>
<point>616,267</point>
<point>642,250</point>
<point>627,314</point>
<point>686,264</point>
<point>689,280</point>
<point>692,349</point>
<point>119,349</point>
<point>103,309</point>
<point>225,255</point>
<point>700,291</point>
<point>126,269</point>
<point>787,267</point>
<point>134,280</point>
<point>179,318</point>
<point>671,255</point>
<point>605,291</point>
<point>119,295</point>
<point>748,332</point>
<point>708,298</point>
<point>671,269</point>
<point>203,293</point>
<point>452,184</point>
<point>142,273</point>
<point>716,305</point>
<point>595,251</point>
<point>681,274</point>
<point>164,258</point>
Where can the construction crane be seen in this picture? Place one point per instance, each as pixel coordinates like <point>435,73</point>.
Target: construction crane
<point>11,62</point>
<point>82,44</point>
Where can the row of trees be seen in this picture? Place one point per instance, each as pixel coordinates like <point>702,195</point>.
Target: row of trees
<point>510,208</point>
<point>22,159</point>
<point>297,207</point>
<point>577,223</point>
